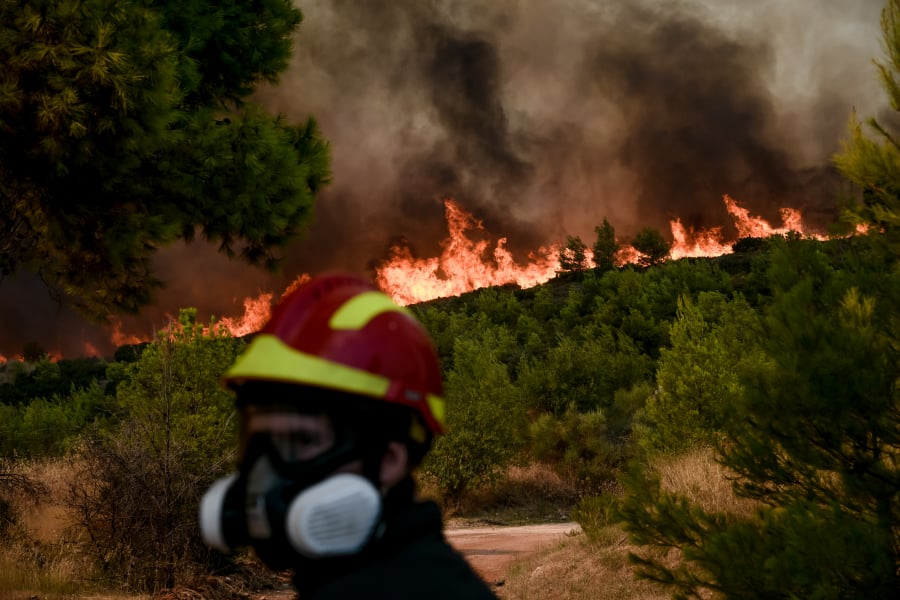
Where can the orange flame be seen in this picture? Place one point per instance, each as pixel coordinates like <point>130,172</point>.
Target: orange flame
<point>462,266</point>
<point>118,338</point>
<point>256,313</point>
<point>690,243</point>
<point>465,265</point>
<point>257,310</point>
<point>709,242</point>
<point>748,226</point>
<point>301,279</point>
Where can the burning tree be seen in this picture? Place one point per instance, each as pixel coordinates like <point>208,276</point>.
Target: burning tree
<point>125,126</point>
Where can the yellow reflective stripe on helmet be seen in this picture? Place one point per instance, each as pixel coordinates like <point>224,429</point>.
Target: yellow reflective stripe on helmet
<point>267,357</point>
<point>438,408</point>
<point>362,308</point>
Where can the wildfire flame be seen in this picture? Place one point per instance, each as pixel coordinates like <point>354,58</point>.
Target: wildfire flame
<point>466,265</point>
<point>709,242</point>
<point>256,313</point>
<point>118,338</point>
<point>461,267</point>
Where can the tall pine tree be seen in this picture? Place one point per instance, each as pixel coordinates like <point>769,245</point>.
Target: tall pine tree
<point>126,125</point>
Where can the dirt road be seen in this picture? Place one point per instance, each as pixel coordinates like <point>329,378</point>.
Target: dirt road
<point>491,550</point>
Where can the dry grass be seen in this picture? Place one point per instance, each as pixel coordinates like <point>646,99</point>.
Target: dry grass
<point>576,569</point>
<point>531,493</point>
<point>38,559</point>
<point>697,476</point>
<point>47,520</point>
<point>581,569</point>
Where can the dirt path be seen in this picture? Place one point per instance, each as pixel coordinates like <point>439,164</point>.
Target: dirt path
<point>491,550</point>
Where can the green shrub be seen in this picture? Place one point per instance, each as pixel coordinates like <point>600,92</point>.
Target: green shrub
<point>485,421</point>
<point>175,437</point>
<point>579,444</point>
<point>595,514</point>
<point>698,377</point>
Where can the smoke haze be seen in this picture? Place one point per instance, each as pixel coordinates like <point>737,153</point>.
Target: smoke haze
<point>540,118</point>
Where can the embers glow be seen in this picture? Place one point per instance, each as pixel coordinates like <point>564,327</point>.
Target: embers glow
<point>462,266</point>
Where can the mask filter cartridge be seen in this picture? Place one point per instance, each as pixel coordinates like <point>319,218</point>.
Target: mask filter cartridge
<point>335,517</point>
<point>212,506</point>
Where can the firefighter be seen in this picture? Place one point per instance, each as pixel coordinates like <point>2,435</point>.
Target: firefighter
<point>339,397</point>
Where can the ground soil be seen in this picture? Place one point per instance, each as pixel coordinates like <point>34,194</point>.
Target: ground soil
<point>492,550</point>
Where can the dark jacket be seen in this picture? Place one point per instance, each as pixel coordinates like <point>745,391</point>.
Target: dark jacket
<point>411,559</point>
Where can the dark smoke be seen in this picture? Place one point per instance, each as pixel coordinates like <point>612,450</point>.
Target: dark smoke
<point>540,118</point>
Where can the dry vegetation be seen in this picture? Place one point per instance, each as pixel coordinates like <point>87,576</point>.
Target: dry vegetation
<point>704,482</point>
<point>582,569</point>
<point>579,569</point>
<point>41,562</point>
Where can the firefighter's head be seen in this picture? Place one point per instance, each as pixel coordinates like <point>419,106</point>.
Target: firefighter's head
<point>339,397</point>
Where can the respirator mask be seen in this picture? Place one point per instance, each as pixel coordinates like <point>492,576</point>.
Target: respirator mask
<point>287,508</point>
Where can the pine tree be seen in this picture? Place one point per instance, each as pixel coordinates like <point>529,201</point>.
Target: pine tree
<point>653,247</point>
<point>125,126</point>
<point>605,247</point>
<point>573,257</point>
<point>875,167</point>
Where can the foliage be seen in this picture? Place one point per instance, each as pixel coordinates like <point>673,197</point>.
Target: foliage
<point>484,421</point>
<point>875,167</point>
<point>175,438</point>
<point>652,245</point>
<point>51,427</point>
<point>580,444</point>
<point>583,372</point>
<point>697,377</point>
<point>605,248</point>
<point>595,514</point>
<point>816,442</point>
<point>573,257</point>
<point>125,126</point>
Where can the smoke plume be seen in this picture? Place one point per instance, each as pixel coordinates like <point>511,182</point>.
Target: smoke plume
<point>540,118</point>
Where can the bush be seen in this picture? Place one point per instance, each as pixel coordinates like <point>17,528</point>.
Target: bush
<point>595,514</point>
<point>139,486</point>
<point>698,377</point>
<point>579,444</point>
<point>484,420</point>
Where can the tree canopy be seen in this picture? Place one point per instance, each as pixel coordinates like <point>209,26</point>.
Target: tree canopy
<point>125,126</point>
<point>652,245</point>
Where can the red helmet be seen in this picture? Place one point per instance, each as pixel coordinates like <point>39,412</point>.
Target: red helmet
<point>339,332</point>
